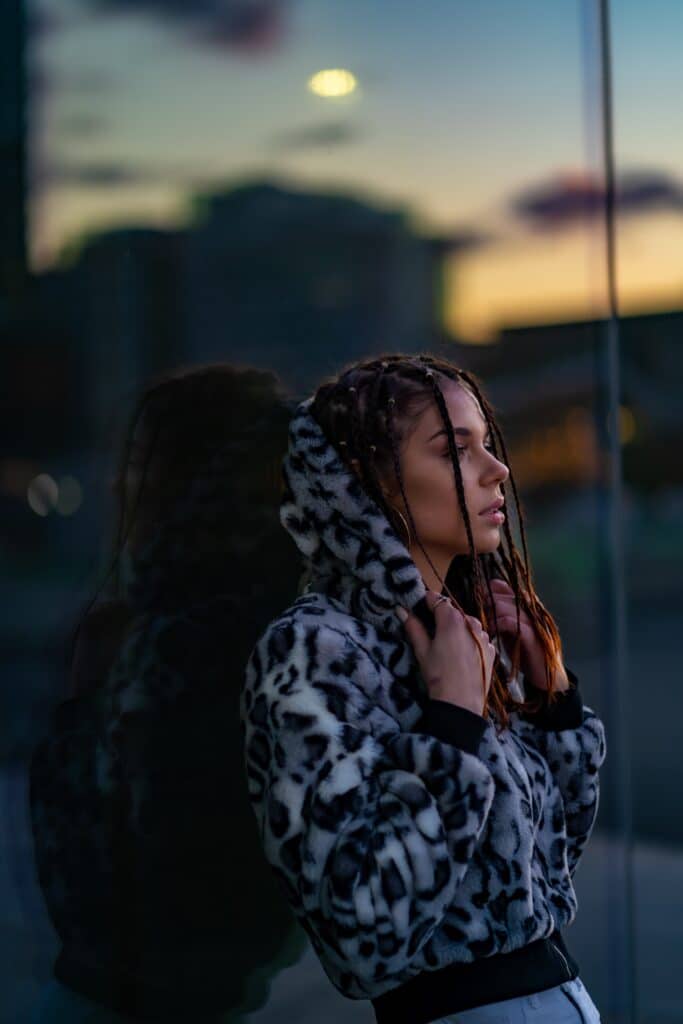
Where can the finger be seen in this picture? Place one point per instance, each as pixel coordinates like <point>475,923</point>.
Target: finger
<point>499,594</point>
<point>508,624</point>
<point>505,597</point>
<point>432,597</point>
<point>501,608</point>
<point>505,605</point>
<point>417,635</point>
<point>503,588</point>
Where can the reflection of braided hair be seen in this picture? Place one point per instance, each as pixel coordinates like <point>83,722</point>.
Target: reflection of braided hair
<point>195,443</point>
<point>189,490</point>
<point>369,430</point>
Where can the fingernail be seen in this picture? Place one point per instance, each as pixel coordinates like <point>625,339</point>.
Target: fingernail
<point>401,612</point>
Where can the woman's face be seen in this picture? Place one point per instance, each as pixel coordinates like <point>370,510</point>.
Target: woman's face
<point>430,486</point>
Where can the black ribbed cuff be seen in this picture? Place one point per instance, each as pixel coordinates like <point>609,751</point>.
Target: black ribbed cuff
<point>453,724</point>
<point>565,713</point>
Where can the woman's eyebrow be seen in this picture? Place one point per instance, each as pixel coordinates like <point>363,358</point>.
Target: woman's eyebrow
<point>462,431</point>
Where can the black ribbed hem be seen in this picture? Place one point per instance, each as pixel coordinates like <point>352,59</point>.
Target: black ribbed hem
<point>428,996</point>
<point>453,724</point>
<point>565,713</point>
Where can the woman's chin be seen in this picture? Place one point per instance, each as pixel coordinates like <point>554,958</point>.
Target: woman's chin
<point>488,540</point>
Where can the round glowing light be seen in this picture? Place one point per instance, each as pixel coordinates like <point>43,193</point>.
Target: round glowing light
<point>332,82</point>
<point>42,494</point>
<point>70,496</point>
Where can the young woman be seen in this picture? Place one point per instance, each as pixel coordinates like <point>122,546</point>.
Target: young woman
<point>145,842</point>
<point>422,793</point>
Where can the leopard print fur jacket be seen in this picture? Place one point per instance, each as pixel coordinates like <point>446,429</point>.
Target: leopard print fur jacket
<point>402,842</point>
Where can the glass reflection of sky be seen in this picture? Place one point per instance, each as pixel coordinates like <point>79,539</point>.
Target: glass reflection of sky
<point>469,116</point>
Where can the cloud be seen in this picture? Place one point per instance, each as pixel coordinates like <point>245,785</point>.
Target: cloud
<point>325,133</point>
<point>645,190</point>
<point>249,26</point>
<point>102,175</point>
<point>572,197</point>
<point>118,174</point>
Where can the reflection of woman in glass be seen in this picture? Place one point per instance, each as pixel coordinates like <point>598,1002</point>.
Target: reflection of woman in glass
<point>424,814</point>
<point>146,845</point>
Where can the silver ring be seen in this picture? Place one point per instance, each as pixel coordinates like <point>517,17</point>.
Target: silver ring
<point>442,598</point>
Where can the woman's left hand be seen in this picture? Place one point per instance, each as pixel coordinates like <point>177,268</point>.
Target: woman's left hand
<point>532,659</point>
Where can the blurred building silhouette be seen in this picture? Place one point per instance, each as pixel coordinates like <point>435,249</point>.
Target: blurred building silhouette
<point>129,312</point>
<point>301,281</point>
<point>286,280</point>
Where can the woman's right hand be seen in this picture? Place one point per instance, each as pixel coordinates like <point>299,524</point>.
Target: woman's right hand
<point>450,663</point>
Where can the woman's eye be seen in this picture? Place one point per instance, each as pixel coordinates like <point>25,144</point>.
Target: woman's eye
<point>463,448</point>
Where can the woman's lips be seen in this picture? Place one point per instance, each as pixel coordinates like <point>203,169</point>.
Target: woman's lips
<point>493,517</point>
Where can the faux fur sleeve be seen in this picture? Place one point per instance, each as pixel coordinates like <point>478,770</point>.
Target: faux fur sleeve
<point>571,737</point>
<point>370,831</point>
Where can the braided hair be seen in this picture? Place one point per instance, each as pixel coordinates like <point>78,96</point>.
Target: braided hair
<point>366,412</point>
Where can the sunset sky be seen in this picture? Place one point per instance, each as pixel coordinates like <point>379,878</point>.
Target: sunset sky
<point>472,118</point>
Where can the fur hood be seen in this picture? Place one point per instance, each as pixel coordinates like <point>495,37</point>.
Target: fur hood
<point>350,550</point>
<point>409,836</point>
<point>349,547</point>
